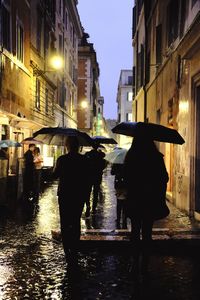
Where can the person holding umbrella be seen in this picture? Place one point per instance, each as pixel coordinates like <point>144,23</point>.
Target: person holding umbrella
<point>146,179</point>
<point>98,164</point>
<point>72,170</point>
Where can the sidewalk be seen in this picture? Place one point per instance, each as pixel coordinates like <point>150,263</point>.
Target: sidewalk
<point>101,228</point>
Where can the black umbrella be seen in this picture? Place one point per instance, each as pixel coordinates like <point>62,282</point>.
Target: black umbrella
<point>149,130</point>
<point>30,140</point>
<point>99,139</point>
<point>58,136</point>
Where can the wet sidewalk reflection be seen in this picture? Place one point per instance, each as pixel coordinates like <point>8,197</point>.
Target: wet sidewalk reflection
<point>33,266</point>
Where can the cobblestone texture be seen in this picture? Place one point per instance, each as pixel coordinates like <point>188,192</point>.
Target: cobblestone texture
<point>32,264</point>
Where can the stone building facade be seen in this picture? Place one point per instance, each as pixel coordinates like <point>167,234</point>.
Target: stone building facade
<point>33,93</point>
<point>90,102</point>
<point>125,103</point>
<point>166,40</point>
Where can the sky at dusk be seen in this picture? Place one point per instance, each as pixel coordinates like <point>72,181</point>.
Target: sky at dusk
<point>109,24</point>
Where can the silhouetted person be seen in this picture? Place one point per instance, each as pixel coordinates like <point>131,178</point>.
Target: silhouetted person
<point>72,171</point>
<point>4,153</point>
<point>146,180</point>
<point>29,169</point>
<point>38,162</point>
<point>120,188</point>
<point>98,164</point>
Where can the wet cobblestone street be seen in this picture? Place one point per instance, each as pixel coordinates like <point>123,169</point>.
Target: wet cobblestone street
<point>32,265</point>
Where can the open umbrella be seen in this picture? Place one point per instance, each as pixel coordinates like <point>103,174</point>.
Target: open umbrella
<point>30,140</point>
<point>99,139</point>
<point>9,143</point>
<point>153,131</point>
<point>116,156</point>
<point>58,136</point>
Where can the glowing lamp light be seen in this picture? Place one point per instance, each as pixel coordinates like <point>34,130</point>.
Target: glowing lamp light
<point>84,104</point>
<point>183,106</point>
<point>56,62</point>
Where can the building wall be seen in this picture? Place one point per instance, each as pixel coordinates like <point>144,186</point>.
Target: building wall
<point>124,105</point>
<point>172,99</point>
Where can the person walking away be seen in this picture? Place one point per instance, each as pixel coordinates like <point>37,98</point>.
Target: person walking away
<point>28,178</point>
<point>98,164</point>
<point>120,188</point>
<point>72,171</point>
<point>38,162</point>
<point>146,180</point>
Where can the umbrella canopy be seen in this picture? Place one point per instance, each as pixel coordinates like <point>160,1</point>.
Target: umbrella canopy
<point>58,136</point>
<point>116,156</point>
<point>153,131</point>
<point>9,143</point>
<point>30,140</point>
<point>99,139</point>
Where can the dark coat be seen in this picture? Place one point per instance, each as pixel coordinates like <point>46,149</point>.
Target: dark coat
<point>29,168</point>
<point>97,164</point>
<point>72,171</point>
<point>146,180</point>
<point>118,171</point>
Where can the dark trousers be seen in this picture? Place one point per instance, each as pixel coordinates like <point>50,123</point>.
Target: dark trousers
<point>121,212</point>
<point>70,226</point>
<point>141,228</point>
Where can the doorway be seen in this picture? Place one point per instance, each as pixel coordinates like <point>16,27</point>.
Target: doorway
<point>197,150</point>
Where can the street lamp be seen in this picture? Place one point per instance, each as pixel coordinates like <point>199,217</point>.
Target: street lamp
<point>84,104</point>
<point>55,63</point>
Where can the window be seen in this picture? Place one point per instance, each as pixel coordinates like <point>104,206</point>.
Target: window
<point>46,100</point>
<point>170,111</point>
<point>37,94</point>
<point>20,43</point>
<point>130,80</point>
<point>63,104</point>
<point>60,43</point>
<point>128,117</point>
<point>140,67</point>
<point>5,25</point>
<point>71,104</point>
<point>59,92</point>
<point>130,96</point>
<point>39,30</point>
<point>148,67</point>
<point>183,17</point>
<point>66,20</point>
<point>159,44</point>
<point>172,20</point>
<point>194,2</point>
<point>51,9</point>
<point>60,6</point>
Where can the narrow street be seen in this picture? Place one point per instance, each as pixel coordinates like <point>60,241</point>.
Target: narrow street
<point>32,264</point>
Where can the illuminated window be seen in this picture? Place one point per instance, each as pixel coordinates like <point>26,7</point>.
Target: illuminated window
<point>130,96</point>
<point>129,117</point>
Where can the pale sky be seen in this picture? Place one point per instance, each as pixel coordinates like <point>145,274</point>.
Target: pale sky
<point>109,24</point>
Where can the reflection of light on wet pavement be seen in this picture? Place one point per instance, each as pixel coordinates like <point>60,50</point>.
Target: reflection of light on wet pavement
<point>106,209</point>
<point>5,274</point>
<point>48,215</point>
